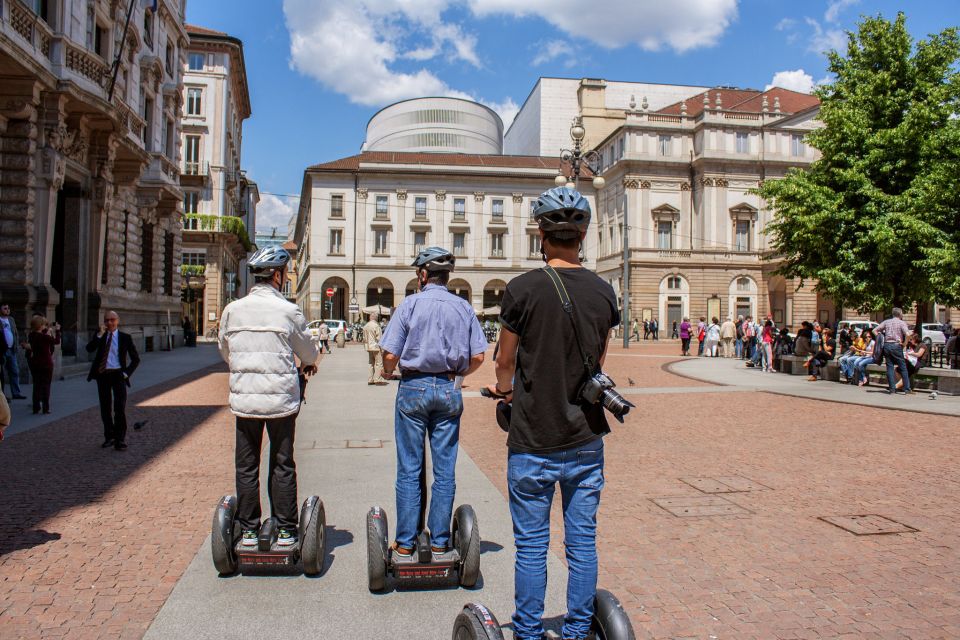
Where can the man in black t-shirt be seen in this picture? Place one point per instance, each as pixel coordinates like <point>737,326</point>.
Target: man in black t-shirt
<point>555,438</point>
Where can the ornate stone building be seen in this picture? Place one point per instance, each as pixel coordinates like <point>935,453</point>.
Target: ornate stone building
<point>695,230</point>
<point>89,165</point>
<point>362,220</point>
<point>219,200</point>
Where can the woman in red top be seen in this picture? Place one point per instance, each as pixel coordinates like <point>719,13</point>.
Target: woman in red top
<point>43,338</point>
<point>767,346</point>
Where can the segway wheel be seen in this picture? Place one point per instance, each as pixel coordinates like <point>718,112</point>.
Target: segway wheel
<point>610,621</point>
<point>476,622</point>
<point>376,549</point>
<point>466,540</point>
<point>313,541</point>
<point>221,536</point>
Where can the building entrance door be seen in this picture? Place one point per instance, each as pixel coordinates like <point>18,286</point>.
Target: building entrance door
<point>68,266</point>
<point>674,314</point>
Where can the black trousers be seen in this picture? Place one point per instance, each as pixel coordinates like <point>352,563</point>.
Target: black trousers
<point>281,474</point>
<point>112,389</point>
<point>42,377</point>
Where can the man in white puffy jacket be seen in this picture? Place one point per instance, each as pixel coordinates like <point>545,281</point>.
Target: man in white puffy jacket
<point>259,336</point>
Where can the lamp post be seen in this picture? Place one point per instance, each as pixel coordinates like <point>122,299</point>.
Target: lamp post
<point>577,158</point>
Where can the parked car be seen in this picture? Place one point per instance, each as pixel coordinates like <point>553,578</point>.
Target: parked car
<point>933,333</point>
<point>857,326</point>
<point>336,326</point>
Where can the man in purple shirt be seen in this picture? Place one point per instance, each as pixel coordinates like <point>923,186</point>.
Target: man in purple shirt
<point>895,332</point>
<point>434,339</point>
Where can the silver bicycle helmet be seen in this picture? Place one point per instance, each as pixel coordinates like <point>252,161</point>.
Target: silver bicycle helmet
<point>434,259</point>
<point>562,211</point>
<point>268,259</point>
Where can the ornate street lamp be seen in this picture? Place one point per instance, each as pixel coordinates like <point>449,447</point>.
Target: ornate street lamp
<point>575,159</point>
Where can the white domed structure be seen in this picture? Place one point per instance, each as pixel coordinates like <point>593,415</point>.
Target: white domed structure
<point>436,125</point>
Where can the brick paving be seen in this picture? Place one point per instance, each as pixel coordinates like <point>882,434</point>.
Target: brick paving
<point>778,570</point>
<point>92,541</point>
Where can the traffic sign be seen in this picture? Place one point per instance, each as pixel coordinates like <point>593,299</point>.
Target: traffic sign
<point>354,308</point>
<point>330,292</point>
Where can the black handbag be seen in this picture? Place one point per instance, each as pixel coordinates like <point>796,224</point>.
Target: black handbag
<point>878,341</point>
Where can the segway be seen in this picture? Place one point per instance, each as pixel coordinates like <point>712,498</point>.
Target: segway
<point>229,554</point>
<point>460,562</point>
<point>476,622</point>
<point>610,621</point>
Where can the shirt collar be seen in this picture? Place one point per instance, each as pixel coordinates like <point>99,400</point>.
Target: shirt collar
<point>434,286</point>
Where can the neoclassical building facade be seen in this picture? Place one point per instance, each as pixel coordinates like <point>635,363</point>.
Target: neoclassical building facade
<point>362,219</point>
<point>219,201</point>
<point>686,174</point>
<point>89,165</point>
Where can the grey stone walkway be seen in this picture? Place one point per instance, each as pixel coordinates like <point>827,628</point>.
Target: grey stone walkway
<point>733,374</point>
<point>342,407</point>
<point>76,394</point>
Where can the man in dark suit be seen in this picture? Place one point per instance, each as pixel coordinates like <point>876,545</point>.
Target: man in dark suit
<point>115,361</point>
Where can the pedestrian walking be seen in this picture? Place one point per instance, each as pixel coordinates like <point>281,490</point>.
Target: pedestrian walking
<point>324,331</point>
<point>685,329</point>
<point>555,436</point>
<point>767,346</point>
<point>728,333</point>
<point>42,341</point>
<point>701,335</point>
<point>371,340</point>
<point>646,329</point>
<point>655,329</point>
<point>434,339</point>
<point>712,338</point>
<point>113,364</point>
<point>189,334</point>
<point>8,361</point>
<point>895,332</point>
<point>635,335</point>
<point>674,333</point>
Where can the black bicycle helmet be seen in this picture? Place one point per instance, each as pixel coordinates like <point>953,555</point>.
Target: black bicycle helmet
<point>562,211</point>
<point>434,259</point>
<point>268,259</point>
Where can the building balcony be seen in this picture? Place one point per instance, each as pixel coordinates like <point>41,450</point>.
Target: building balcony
<point>195,174</point>
<point>199,228</point>
<point>692,256</point>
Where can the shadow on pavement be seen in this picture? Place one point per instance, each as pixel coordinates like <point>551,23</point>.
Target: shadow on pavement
<point>61,465</point>
<point>334,538</point>
<point>486,546</point>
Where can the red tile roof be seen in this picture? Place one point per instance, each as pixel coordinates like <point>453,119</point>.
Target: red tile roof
<point>748,100</point>
<point>193,29</point>
<point>352,163</point>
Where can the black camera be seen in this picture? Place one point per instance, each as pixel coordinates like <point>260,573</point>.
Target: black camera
<point>600,388</point>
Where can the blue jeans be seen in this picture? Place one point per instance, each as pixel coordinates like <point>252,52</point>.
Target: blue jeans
<point>860,369</point>
<point>12,368</point>
<point>738,347</point>
<point>893,353</point>
<point>427,406</point>
<point>532,479</point>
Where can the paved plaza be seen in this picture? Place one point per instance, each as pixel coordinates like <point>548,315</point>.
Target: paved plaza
<point>727,512</point>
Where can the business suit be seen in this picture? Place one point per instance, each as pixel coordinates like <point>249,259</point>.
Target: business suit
<point>8,359</point>
<point>113,378</point>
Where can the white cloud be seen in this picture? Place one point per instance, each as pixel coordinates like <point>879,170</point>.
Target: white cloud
<point>553,49</point>
<point>796,80</point>
<point>274,212</point>
<point>823,40</point>
<point>786,23</point>
<point>507,110</point>
<point>835,7</point>
<point>651,24</point>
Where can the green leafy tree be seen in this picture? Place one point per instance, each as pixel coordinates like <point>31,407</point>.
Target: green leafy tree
<point>876,220</point>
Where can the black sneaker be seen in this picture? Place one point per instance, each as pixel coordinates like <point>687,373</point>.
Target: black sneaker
<point>120,446</point>
<point>109,442</point>
<point>249,538</point>
<point>287,537</point>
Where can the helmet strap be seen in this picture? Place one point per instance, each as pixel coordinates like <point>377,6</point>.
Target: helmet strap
<point>581,254</point>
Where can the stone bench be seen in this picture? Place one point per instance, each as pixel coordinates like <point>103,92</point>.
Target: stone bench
<point>945,381</point>
<point>794,365</point>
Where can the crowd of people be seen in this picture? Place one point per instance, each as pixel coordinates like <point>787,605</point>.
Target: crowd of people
<point>763,343</point>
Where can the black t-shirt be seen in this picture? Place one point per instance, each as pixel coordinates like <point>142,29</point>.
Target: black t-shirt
<point>547,415</point>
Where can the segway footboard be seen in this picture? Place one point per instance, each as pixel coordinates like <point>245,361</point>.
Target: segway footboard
<point>267,555</point>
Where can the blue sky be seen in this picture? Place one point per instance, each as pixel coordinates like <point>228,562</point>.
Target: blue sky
<point>318,69</point>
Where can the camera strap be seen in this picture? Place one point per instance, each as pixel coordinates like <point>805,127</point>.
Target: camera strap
<point>567,303</point>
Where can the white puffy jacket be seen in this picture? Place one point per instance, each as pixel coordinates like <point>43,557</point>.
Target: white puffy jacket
<point>259,335</point>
